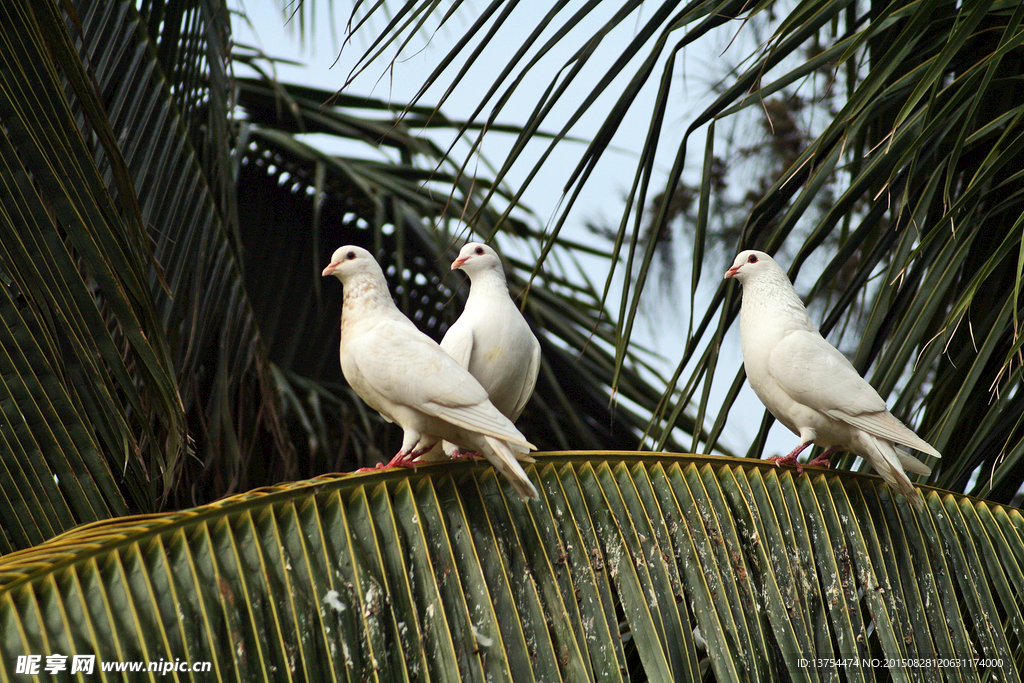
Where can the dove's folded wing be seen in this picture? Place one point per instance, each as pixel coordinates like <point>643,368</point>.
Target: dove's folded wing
<point>458,342</point>
<point>483,418</point>
<point>408,368</point>
<point>885,426</point>
<point>529,380</point>
<point>814,373</point>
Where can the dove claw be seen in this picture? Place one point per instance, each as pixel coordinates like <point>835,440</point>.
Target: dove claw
<point>825,459</point>
<point>791,458</point>
<point>464,455</point>
<point>402,459</point>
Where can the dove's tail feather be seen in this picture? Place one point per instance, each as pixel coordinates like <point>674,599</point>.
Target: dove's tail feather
<point>522,453</point>
<point>912,464</point>
<point>504,460</point>
<point>884,425</point>
<point>887,462</point>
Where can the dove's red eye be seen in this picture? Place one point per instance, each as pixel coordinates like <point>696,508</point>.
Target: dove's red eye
<point>479,251</point>
<point>751,259</point>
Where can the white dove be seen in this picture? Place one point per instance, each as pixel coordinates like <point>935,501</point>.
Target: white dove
<point>809,386</point>
<point>491,338</point>
<point>405,376</point>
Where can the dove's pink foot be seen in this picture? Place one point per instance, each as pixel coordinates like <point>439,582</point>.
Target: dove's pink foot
<point>402,460</point>
<point>790,458</point>
<point>462,455</point>
<point>408,458</point>
<point>825,459</point>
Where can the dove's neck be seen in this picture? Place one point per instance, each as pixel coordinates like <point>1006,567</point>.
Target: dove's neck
<point>365,296</point>
<point>771,303</point>
<point>485,286</point>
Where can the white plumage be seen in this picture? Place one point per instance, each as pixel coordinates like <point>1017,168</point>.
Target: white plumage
<point>405,376</point>
<point>491,338</point>
<point>809,386</point>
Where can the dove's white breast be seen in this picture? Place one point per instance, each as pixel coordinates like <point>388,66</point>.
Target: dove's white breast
<point>772,323</point>
<point>495,343</point>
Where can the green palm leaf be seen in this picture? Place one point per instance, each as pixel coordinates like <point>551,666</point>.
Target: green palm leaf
<point>444,574</point>
<point>92,416</point>
<point>164,68</point>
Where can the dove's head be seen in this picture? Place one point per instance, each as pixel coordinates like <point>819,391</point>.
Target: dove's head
<point>350,260</point>
<point>476,258</point>
<point>749,263</point>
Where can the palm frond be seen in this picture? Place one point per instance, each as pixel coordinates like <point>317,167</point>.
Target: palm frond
<point>630,567</point>
<point>93,422</point>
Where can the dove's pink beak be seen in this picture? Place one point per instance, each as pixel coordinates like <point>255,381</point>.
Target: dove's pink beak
<point>732,271</point>
<point>329,270</point>
<point>457,263</point>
